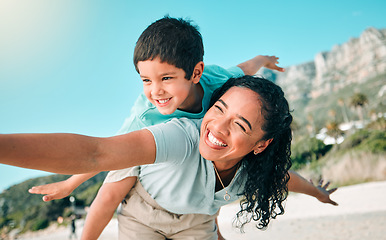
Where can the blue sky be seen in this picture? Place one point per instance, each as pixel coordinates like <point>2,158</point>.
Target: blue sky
<point>66,66</point>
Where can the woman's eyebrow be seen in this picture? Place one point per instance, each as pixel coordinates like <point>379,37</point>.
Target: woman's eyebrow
<point>239,116</point>
<point>246,121</point>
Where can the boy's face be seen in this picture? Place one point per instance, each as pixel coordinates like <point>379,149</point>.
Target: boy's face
<point>166,86</point>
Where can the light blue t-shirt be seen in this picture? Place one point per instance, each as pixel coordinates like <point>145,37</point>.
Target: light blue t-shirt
<point>185,182</point>
<point>144,113</point>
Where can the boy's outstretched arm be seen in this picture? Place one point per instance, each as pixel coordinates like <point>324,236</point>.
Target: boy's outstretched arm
<point>59,190</point>
<point>103,207</point>
<point>300,185</point>
<point>73,154</point>
<point>251,66</point>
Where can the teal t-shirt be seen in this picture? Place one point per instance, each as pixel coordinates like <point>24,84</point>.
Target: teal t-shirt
<point>185,182</point>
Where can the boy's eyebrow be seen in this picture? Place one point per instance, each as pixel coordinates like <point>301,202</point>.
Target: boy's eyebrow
<point>168,73</point>
<point>239,116</point>
<point>162,74</point>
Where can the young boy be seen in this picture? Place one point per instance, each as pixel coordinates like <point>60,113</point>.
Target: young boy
<point>169,58</point>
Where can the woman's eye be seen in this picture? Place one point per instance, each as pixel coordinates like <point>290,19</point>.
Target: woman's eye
<point>241,126</point>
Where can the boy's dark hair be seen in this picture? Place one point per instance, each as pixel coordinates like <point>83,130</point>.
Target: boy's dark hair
<point>174,41</point>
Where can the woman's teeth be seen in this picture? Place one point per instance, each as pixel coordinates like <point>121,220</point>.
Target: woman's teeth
<point>215,141</point>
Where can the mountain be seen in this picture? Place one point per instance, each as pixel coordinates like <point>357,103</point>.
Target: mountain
<point>26,211</point>
<point>350,65</point>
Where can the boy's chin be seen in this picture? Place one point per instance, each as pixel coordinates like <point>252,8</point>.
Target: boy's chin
<point>164,111</point>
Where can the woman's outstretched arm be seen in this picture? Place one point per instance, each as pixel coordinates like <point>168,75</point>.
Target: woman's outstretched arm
<point>300,185</point>
<point>72,153</point>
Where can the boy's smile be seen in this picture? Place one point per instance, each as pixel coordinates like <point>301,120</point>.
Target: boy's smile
<point>166,87</point>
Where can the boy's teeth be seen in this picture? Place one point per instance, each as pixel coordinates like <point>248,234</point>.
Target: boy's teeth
<point>215,141</point>
<point>163,101</point>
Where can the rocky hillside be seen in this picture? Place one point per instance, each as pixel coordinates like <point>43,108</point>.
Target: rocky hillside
<point>352,63</point>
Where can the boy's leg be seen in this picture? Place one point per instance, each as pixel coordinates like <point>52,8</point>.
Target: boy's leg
<point>134,216</point>
<point>142,218</point>
<point>195,227</point>
<point>104,205</point>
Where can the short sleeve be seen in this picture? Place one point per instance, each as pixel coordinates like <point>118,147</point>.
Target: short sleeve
<point>175,140</point>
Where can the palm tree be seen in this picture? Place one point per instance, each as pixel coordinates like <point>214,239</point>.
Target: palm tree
<point>311,128</point>
<point>343,107</point>
<point>359,101</point>
<point>334,131</point>
<point>332,114</point>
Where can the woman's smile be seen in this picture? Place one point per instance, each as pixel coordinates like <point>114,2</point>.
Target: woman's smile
<point>215,141</point>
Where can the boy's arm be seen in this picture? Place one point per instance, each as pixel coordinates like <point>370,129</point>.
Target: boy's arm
<point>103,207</point>
<point>251,66</point>
<point>61,189</point>
<point>73,154</point>
<point>300,185</point>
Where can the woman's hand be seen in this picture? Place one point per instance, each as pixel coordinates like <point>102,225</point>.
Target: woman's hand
<point>324,193</point>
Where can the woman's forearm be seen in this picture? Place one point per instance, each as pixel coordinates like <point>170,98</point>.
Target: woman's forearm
<point>73,154</point>
<point>300,185</point>
<point>58,152</point>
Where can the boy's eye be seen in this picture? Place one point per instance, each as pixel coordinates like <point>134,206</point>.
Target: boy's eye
<point>166,78</point>
<point>146,80</point>
<point>219,108</point>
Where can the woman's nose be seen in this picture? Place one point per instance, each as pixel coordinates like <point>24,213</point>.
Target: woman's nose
<point>221,125</point>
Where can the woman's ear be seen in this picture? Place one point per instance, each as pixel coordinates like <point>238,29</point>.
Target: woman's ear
<point>261,146</point>
<point>197,72</point>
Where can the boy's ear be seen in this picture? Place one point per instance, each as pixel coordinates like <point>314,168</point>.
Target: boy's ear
<point>197,72</point>
<point>261,146</point>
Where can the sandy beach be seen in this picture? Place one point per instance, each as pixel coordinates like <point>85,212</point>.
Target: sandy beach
<point>361,214</point>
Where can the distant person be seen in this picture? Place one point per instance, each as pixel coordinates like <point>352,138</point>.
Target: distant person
<point>73,227</point>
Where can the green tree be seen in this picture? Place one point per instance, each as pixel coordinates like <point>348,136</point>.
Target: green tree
<point>307,150</point>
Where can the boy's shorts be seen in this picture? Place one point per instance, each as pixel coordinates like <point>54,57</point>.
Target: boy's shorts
<point>142,218</point>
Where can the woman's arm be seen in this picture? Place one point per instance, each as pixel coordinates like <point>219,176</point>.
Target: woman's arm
<point>73,154</point>
<point>300,185</point>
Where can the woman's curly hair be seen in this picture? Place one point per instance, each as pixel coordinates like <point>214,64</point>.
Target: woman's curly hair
<point>266,174</point>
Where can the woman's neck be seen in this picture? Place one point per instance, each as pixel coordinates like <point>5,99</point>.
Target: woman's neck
<point>226,176</point>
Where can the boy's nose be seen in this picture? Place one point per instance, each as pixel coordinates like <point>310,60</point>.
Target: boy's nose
<point>157,90</point>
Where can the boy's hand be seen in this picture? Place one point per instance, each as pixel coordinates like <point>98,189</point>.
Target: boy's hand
<point>251,66</point>
<point>270,62</point>
<point>324,194</point>
<point>53,191</point>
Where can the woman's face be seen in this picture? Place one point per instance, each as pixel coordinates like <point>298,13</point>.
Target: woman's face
<point>232,128</point>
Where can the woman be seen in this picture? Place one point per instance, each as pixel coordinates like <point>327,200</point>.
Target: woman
<point>243,151</point>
